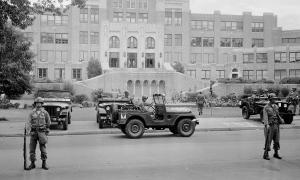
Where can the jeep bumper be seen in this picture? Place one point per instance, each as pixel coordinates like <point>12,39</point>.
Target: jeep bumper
<point>196,121</point>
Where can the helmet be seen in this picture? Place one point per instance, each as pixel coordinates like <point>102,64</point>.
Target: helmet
<point>271,96</point>
<point>144,97</point>
<point>39,100</point>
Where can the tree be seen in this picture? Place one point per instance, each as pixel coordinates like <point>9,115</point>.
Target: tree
<point>16,57</point>
<point>94,68</point>
<point>15,63</point>
<point>178,67</point>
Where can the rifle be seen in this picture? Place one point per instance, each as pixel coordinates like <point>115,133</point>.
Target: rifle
<point>25,149</point>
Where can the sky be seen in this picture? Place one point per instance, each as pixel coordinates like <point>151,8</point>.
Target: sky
<point>287,11</point>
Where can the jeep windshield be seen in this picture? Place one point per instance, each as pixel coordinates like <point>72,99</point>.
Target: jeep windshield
<point>54,94</point>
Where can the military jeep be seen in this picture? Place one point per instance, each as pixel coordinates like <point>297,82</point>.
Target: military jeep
<point>105,108</point>
<point>132,119</point>
<point>254,105</point>
<point>58,104</point>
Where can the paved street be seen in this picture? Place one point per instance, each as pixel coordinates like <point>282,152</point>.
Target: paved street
<point>206,155</point>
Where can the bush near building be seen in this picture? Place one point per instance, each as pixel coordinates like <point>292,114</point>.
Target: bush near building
<point>241,80</point>
<point>290,80</point>
<point>80,98</point>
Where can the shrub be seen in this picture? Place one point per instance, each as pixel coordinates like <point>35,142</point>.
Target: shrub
<point>290,80</point>
<point>284,91</point>
<point>68,86</point>
<point>80,98</point>
<point>96,94</point>
<point>248,90</point>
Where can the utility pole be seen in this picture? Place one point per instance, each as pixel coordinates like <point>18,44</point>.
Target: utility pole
<point>211,95</point>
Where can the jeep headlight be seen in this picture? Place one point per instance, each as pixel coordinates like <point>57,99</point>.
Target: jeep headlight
<point>58,109</point>
<point>279,104</point>
<point>285,105</point>
<point>107,108</point>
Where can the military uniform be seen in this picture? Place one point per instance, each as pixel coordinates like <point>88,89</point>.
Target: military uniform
<point>272,129</point>
<point>200,100</point>
<point>38,125</point>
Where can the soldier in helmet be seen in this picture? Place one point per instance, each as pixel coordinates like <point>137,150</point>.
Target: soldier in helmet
<point>144,105</point>
<point>38,125</point>
<point>271,120</point>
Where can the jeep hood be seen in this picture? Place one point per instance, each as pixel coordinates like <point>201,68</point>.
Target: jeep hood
<point>59,104</point>
<point>178,110</point>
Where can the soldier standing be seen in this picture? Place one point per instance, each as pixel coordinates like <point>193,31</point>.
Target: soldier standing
<point>38,125</point>
<point>200,100</point>
<point>271,120</point>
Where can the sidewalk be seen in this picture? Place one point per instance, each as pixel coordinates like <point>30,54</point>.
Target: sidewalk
<point>16,129</point>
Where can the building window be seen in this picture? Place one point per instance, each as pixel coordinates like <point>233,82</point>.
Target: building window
<point>280,74</point>
<point>94,15</point>
<point>178,39</point>
<point>143,17</point>
<point>205,74</point>
<point>83,56</point>
<point>131,17</point>
<point>208,42</point>
<point>261,74</point>
<point>94,37</point>
<point>257,27</point>
<point>294,73</point>
<point>257,42</point>
<point>231,26</point>
<point>131,60</point>
<point>61,38</point>
<point>28,36</point>
<point>117,3</point>
<point>44,19</point>
<point>294,56</point>
<point>202,25</point>
<point>178,17</point>
<point>168,16</point>
<point>50,20</point>
<point>83,15</point>
<point>54,20</point>
<point>117,16</point>
<point>47,56</point>
<point>150,43</point>
<point>61,56</point>
<point>225,42</point>
<point>220,74</point>
<point>195,57</point>
<point>237,42</point>
<point>191,72</point>
<point>76,74</point>
<point>196,42</point>
<point>83,37</point>
<point>130,4</point>
<point>114,59</point>
<point>248,74</point>
<point>94,55</point>
<point>132,42</point>
<point>59,73</point>
<point>42,73</point>
<point>248,58</point>
<point>114,42</point>
<point>280,57</point>
<point>290,40</point>
<point>208,58</point>
<point>143,4</point>
<point>261,57</point>
<point>168,39</point>
<point>47,38</point>
<point>150,60</point>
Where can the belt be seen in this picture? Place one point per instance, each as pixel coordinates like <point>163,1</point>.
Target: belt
<point>39,129</point>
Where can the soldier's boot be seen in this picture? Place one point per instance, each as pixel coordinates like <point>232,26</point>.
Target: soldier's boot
<point>31,166</point>
<point>266,155</point>
<point>44,165</point>
<point>276,155</point>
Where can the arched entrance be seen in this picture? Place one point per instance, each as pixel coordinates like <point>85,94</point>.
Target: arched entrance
<point>153,87</point>
<point>162,87</point>
<point>130,87</point>
<point>138,89</point>
<point>146,89</point>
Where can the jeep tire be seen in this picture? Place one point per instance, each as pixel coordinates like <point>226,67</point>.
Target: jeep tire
<point>245,112</point>
<point>186,127</point>
<point>65,124</point>
<point>288,118</point>
<point>134,128</point>
<point>69,119</point>
<point>101,123</point>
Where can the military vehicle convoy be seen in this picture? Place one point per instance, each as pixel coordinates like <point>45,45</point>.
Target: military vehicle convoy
<point>132,119</point>
<point>254,105</point>
<point>59,106</point>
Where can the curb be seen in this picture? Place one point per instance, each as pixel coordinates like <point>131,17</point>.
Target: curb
<point>117,131</point>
